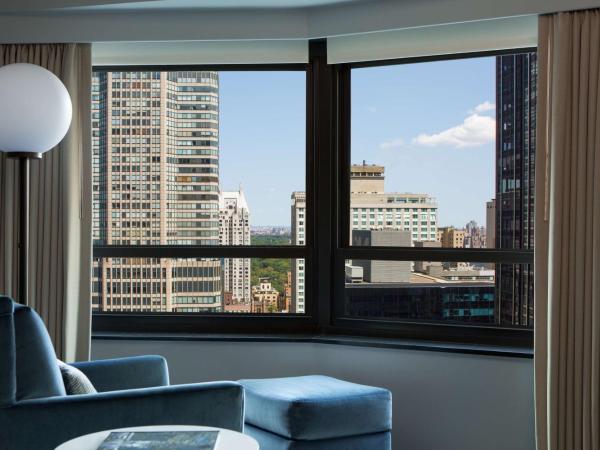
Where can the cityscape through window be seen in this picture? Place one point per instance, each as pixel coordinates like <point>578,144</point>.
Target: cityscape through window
<point>443,157</point>
<point>198,158</point>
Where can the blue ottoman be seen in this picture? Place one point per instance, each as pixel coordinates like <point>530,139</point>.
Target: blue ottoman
<point>318,413</point>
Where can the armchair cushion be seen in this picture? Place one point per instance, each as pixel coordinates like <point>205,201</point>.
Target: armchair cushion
<point>126,373</point>
<point>38,375</point>
<point>76,383</point>
<point>43,424</point>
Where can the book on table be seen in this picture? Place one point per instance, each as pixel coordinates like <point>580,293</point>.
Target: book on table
<point>161,440</point>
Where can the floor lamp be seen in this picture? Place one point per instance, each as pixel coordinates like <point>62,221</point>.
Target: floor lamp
<point>35,114</point>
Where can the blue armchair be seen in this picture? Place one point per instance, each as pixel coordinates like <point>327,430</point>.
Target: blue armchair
<point>36,413</point>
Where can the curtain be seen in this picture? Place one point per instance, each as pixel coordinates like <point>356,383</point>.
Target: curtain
<point>60,210</point>
<point>567,239</point>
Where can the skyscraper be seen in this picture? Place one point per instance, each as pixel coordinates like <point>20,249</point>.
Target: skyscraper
<point>516,94</point>
<point>156,181</point>
<point>298,238</point>
<point>374,209</point>
<point>490,224</point>
<point>234,220</point>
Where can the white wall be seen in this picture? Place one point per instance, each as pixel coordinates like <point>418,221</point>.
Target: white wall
<point>441,401</point>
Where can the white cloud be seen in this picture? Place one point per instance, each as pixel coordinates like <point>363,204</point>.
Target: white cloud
<point>475,130</point>
<point>483,107</point>
<point>392,144</point>
<point>371,109</point>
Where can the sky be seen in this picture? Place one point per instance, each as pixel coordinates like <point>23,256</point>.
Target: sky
<point>430,124</point>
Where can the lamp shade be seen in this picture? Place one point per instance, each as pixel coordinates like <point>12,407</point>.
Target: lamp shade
<point>35,109</point>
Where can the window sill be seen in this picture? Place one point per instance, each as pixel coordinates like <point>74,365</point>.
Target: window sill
<point>400,344</point>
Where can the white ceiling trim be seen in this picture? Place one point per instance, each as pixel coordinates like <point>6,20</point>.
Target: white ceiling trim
<point>483,35</point>
<point>200,52</point>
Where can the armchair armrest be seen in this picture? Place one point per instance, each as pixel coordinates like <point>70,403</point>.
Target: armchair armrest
<point>45,423</point>
<point>126,373</point>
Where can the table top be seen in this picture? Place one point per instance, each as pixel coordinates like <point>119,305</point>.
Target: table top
<point>228,439</point>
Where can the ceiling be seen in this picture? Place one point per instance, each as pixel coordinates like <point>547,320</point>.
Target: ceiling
<point>16,6</point>
<point>203,20</point>
<point>219,4</point>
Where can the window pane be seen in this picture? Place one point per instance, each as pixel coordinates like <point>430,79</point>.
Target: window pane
<point>197,157</point>
<point>450,292</point>
<point>227,285</point>
<point>445,151</point>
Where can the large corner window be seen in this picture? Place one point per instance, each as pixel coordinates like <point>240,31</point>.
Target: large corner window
<point>199,192</point>
<point>391,198</point>
<point>438,208</point>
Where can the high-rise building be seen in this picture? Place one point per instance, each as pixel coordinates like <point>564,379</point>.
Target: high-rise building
<point>374,209</point>
<point>490,224</point>
<point>371,209</point>
<point>234,224</point>
<point>156,181</point>
<point>516,93</point>
<point>298,238</point>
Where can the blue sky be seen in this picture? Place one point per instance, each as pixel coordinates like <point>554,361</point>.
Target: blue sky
<point>429,124</point>
<point>263,140</point>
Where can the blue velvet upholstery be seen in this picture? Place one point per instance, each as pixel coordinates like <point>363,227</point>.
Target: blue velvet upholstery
<point>8,365</point>
<point>29,420</point>
<point>38,375</point>
<point>126,373</point>
<point>271,441</point>
<point>316,407</point>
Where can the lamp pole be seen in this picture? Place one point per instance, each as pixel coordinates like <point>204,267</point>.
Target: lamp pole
<point>24,159</point>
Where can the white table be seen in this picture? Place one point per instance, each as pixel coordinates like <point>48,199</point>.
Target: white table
<point>228,440</point>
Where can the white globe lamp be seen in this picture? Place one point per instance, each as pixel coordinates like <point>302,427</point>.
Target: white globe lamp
<point>35,114</point>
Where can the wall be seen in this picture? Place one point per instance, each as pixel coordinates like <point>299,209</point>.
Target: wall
<point>441,400</point>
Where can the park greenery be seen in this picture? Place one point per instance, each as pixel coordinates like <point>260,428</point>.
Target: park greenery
<point>275,269</point>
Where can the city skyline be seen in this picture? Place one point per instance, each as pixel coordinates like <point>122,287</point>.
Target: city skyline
<point>403,125</point>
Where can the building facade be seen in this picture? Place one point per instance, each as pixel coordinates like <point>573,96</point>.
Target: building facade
<point>516,94</point>
<point>372,208</point>
<point>156,182</point>
<point>234,229</point>
<point>490,224</point>
<point>298,238</point>
<point>377,271</point>
<point>265,298</point>
<point>451,237</point>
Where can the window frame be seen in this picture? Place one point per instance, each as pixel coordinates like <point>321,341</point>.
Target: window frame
<point>410,329</point>
<point>223,322</point>
<point>328,90</point>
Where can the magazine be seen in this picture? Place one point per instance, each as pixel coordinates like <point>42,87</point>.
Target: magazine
<point>161,440</point>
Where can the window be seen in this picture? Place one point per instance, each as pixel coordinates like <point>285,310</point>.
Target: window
<point>391,198</point>
<point>447,147</point>
<point>216,159</point>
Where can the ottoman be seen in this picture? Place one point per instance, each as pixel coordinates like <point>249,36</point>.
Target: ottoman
<point>317,412</point>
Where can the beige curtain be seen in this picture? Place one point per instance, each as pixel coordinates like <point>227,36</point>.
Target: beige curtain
<point>567,260</point>
<point>60,213</point>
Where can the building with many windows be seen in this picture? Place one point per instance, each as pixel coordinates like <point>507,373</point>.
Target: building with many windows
<point>374,209</point>
<point>451,237</point>
<point>156,182</point>
<point>234,224</point>
<point>298,238</point>
<point>516,94</point>
<point>265,298</point>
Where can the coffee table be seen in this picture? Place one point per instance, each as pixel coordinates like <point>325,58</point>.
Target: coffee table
<point>228,440</point>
